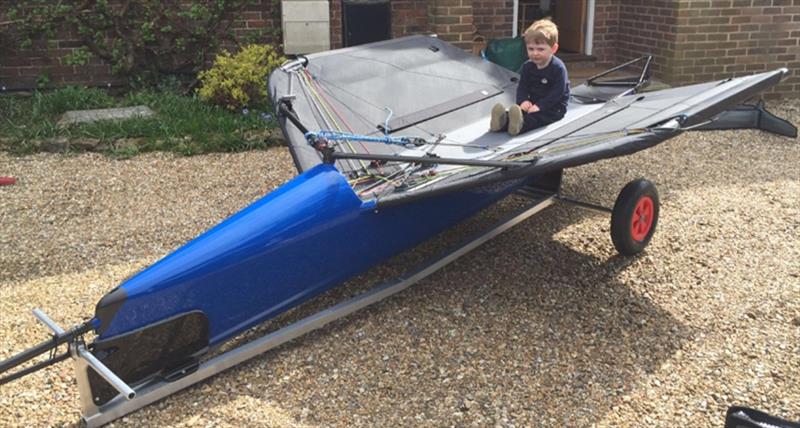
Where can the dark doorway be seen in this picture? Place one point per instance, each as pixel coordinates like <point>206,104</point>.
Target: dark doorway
<point>569,15</point>
<point>365,21</point>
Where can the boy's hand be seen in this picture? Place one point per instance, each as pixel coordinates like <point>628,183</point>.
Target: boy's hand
<point>525,106</point>
<point>533,108</point>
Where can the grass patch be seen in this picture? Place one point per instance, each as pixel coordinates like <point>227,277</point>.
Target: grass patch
<point>182,124</point>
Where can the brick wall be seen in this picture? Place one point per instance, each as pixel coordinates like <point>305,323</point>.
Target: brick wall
<point>722,38</point>
<point>409,17</point>
<point>24,68</point>
<point>494,19</point>
<point>452,21</point>
<point>647,27</point>
<point>701,40</point>
<point>336,23</point>
<point>692,40</point>
<point>606,32</point>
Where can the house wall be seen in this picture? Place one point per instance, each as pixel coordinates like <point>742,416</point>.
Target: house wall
<point>692,40</point>
<point>606,31</point>
<point>25,68</point>
<point>647,27</point>
<point>700,40</point>
<point>722,38</point>
<point>494,19</point>
<point>409,17</point>
<point>336,23</point>
<point>452,20</point>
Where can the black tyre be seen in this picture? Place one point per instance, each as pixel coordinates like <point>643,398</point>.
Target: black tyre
<point>634,217</point>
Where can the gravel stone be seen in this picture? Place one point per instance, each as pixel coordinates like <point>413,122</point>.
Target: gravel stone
<point>543,326</point>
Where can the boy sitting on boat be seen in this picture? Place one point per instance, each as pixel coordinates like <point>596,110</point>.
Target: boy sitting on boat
<point>543,89</point>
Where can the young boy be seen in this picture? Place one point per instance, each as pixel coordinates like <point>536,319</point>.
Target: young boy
<point>543,89</point>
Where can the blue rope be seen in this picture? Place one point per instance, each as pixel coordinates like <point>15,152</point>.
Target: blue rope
<point>340,136</point>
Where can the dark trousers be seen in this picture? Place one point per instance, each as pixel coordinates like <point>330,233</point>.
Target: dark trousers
<point>539,119</point>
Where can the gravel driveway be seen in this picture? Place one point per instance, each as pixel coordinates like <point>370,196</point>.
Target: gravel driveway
<point>543,326</point>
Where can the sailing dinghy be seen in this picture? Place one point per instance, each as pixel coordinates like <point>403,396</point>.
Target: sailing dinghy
<point>383,135</point>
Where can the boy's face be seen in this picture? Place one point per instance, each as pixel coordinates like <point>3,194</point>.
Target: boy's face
<point>540,53</point>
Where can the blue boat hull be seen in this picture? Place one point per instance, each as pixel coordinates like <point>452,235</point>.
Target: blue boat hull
<point>308,236</point>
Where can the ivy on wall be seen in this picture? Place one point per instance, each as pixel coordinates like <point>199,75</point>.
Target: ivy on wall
<point>136,37</point>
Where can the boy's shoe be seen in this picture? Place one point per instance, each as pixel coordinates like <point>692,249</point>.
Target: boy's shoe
<point>515,120</point>
<point>499,118</point>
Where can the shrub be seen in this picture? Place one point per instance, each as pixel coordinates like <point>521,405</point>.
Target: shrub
<point>238,81</point>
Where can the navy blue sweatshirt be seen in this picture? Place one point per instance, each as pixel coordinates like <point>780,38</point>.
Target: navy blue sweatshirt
<point>548,88</point>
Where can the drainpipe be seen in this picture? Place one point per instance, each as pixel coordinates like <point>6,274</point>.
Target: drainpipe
<point>587,44</point>
<point>514,25</point>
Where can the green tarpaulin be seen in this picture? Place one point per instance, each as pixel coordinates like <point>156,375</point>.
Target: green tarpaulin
<point>509,53</point>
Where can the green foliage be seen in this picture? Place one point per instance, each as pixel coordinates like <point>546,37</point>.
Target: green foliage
<point>183,124</point>
<point>45,104</point>
<point>79,56</point>
<point>136,37</point>
<point>238,81</point>
<point>42,80</point>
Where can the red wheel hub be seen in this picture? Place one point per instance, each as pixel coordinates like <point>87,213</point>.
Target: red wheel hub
<point>642,219</point>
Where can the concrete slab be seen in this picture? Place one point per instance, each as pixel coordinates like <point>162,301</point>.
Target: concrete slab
<point>88,116</point>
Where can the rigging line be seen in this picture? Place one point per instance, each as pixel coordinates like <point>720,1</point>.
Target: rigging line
<point>323,107</point>
<point>571,136</point>
<point>359,180</point>
<point>364,100</point>
<point>435,179</point>
<point>432,147</point>
<point>315,111</point>
<point>366,120</point>
<point>578,129</point>
<point>330,107</point>
<point>684,100</point>
<point>457,170</point>
<point>537,140</point>
<point>322,91</point>
<point>555,149</point>
<point>482,84</point>
<point>545,141</point>
<point>320,104</point>
<point>467,145</point>
<point>407,176</point>
<point>309,96</point>
<point>363,118</point>
<point>567,137</point>
<point>388,180</point>
<point>578,143</point>
<point>576,140</point>
<point>427,181</point>
<point>335,123</point>
<point>420,182</point>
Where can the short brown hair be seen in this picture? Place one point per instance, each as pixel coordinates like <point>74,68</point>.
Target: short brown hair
<point>542,31</point>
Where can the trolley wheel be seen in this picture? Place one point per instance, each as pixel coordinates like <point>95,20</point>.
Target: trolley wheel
<point>634,217</point>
